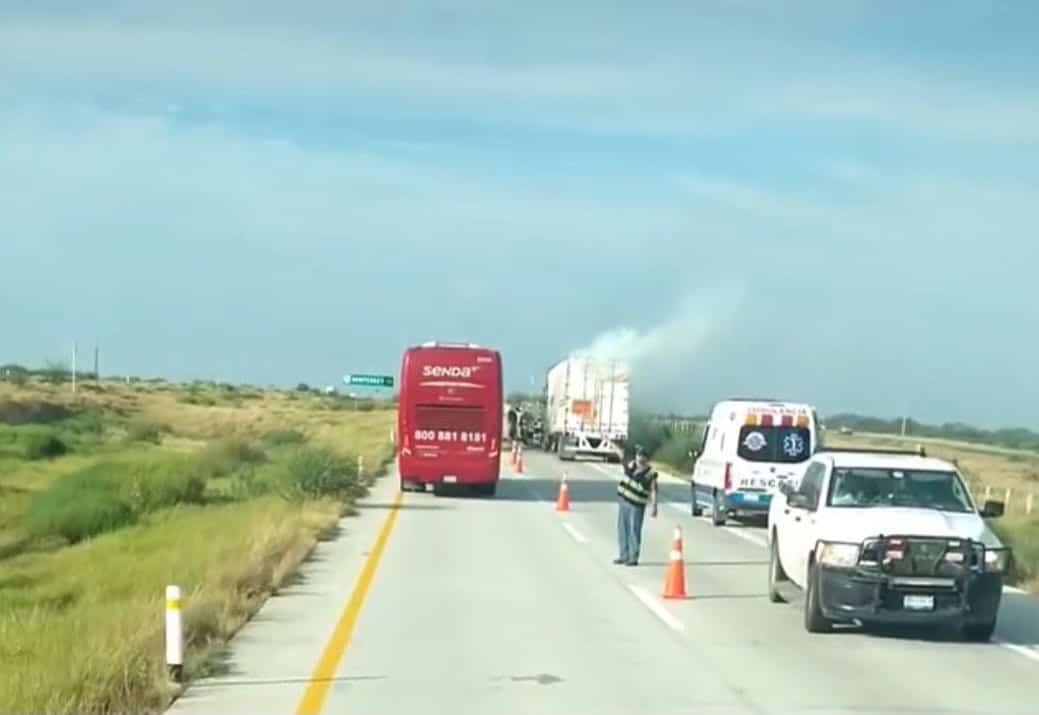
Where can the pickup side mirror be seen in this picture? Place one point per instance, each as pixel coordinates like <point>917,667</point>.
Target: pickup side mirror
<point>993,509</point>
<point>797,500</point>
<point>786,488</point>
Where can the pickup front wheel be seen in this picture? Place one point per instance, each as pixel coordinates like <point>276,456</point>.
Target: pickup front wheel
<point>815,621</point>
<point>776,574</point>
<point>979,632</point>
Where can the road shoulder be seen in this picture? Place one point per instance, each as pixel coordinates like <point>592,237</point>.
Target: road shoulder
<point>268,664</point>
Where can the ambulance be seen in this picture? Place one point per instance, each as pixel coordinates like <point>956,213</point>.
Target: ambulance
<point>749,448</point>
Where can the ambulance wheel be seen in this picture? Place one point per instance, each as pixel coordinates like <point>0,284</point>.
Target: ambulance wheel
<point>697,509</point>
<point>718,516</point>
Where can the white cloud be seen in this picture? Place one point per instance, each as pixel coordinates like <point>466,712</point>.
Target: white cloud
<point>689,71</point>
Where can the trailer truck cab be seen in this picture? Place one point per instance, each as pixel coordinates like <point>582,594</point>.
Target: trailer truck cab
<point>749,448</point>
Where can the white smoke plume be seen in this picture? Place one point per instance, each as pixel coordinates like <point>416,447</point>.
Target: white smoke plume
<point>666,358</point>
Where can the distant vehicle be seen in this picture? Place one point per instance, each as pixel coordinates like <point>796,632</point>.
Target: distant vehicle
<point>749,448</point>
<point>450,417</point>
<point>887,537</point>
<point>587,408</point>
<point>525,423</point>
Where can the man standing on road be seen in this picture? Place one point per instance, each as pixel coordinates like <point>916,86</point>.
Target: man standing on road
<point>636,490</point>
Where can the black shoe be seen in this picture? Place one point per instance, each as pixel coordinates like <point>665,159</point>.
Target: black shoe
<point>619,561</point>
<point>631,563</point>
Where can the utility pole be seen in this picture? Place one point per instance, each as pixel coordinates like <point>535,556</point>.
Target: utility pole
<point>74,351</point>
<point>97,355</point>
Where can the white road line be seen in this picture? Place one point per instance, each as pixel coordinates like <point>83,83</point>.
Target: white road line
<point>605,470</point>
<point>1014,589</point>
<point>1026,651</point>
<point>578,536</point>
<point>655,606</point>
<point>747,536</point>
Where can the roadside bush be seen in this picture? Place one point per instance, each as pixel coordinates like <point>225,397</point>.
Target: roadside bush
<point>675,452</point>
<point>43,445</point>
<point>78,506</point>
<point>160,483</point>
<point>314,472</point>
<point>223,458</point>
<point>1022,535</point>
<point>281,437</point>
<point>647,433</point>
<point>144,432</point>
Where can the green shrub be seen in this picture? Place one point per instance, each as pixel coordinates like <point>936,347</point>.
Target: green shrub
<point>223,458</point>
<point>281,437</point>
<point>1022,535</point>
<point>648,433</point>
<point>77,506</point>
<point>151,484</point>
<point>314,472</point>
<point>43,445</point>
<point>144,432</point>
<point>89,514</point>
<point>675,451</point>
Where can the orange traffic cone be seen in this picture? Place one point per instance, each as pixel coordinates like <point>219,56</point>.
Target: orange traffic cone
<point>674,585</point>
<point>563,502</point>
<point>519,459</point>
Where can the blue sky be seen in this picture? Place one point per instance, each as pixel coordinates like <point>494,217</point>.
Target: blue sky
<point>833,202</point>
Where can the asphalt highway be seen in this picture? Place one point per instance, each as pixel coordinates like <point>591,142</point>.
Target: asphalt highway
<point>463,605</point>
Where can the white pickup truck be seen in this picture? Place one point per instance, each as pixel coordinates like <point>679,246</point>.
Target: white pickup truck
<point>876,536</point>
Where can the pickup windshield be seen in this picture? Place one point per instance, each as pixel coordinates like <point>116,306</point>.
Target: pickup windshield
<point>851,487</point>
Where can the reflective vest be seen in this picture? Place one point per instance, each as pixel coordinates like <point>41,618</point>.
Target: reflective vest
<point>634,487</point>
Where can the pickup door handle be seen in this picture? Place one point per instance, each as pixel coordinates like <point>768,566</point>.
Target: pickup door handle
<point>797,518</point>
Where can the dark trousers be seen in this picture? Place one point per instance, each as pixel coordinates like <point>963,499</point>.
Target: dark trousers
<point>629,530</point>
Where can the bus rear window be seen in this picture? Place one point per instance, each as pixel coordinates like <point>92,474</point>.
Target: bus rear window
<point>787,445</point>
<point>450,417</point>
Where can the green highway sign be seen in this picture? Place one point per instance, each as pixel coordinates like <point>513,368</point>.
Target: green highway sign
<point>369,380</point>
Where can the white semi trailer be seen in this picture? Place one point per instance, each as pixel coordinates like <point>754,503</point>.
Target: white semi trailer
<point>587,406</point>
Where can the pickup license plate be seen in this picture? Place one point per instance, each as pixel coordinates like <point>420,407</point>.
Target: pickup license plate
<point>450,479</point>
<point>918,603</point>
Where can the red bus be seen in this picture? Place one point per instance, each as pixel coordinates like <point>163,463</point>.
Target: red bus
<point>450,417</point>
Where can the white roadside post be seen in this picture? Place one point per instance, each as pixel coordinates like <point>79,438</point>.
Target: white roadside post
<point>360,466</point>
<point>174,634</point>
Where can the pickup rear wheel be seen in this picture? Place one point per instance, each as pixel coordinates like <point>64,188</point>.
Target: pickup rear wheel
<point>815,621</point>
<point>979,632</point>
<point>776,574</point>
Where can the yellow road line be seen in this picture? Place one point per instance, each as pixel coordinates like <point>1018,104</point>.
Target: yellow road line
<point>321,679</point>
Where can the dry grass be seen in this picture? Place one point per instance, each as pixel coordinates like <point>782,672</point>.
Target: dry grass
<point>81,625</point>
